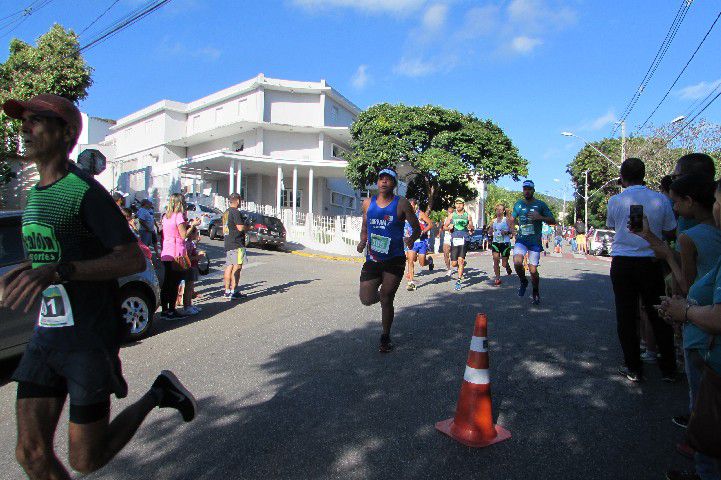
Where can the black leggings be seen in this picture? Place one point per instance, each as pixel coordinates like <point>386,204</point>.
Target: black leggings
<point>169,290</point>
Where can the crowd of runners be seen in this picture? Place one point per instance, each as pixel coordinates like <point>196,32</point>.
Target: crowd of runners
<point>394,236</point>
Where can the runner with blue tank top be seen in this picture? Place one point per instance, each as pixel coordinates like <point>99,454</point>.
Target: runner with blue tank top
<point>419,250</point>
<point>383,237</point>
<point>501,242</point>
<point>530,214</point>
<point>460,226</point>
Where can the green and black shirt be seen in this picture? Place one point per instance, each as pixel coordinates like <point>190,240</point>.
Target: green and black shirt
<point>75,219</point>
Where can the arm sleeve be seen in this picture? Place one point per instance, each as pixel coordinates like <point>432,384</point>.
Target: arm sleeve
<point>103,218</point>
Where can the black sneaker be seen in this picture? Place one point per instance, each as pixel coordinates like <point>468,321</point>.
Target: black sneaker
<point>680,420</point>
<point>536,299</point>
<point>430,264</point>
<point>175,395</point>
<point>386,345</point>
<point>172,315</point>
<point>681,475</point>
<point>632,376</point>
<point>522,289</point>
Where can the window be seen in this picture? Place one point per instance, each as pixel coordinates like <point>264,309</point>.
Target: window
<point>287,198</point>
<point>334,113</point>
<point>136,180</point>
<point>342,200</point>
<point>336,151</point>
<point>238,145</point>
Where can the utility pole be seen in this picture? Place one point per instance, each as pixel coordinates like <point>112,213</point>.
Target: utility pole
<point>585,204</point>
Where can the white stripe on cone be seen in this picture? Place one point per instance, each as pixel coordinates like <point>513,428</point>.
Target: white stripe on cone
<point>479,344</point>
<point>476,376</point>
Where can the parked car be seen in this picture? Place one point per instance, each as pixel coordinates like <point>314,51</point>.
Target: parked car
<point>205,213</point>
<point>600,242</point>
<point>266,231</point>
<point>139,299</point>
<point>476,241</point>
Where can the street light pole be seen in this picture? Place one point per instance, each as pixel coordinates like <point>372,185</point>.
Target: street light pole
<point>585,205</point>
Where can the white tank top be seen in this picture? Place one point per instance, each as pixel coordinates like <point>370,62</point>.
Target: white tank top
<point>498,229</point>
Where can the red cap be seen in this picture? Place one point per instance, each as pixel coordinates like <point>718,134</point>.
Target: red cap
<point>47,105</point>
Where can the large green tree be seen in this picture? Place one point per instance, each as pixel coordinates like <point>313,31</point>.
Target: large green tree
<point>443,151</point>
<point>53,65</point>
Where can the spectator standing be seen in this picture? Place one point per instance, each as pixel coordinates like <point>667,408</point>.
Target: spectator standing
<point>234,227</point>
<point>192,275</point>
<point>581,238</point>
<point>636,273</point>
<point>146,222</point>
<point>175,230</point>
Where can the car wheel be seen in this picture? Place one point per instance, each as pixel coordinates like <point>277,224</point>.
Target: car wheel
<point>136,313</point>
<point>213,232</point>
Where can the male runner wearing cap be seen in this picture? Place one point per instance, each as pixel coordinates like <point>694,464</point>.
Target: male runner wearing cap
<point>382,233</point>
<point>420,246</point>
<point>78,245</point>
<point>460,225</point>
<point>530,214</point>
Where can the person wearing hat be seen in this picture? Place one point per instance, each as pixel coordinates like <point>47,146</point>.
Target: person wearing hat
<point>119,198</point>
<point>530,214</point>
<point>382,237</point>
<point>78,244</point>
<point>460,225</point>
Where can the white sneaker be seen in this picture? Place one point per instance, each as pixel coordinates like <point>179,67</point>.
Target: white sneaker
<point>189,311</point>
<point>449,272</point>
<point>648,357</point>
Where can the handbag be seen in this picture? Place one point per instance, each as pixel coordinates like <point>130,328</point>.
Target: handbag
<point>705,422</point>
<point>181,263</point>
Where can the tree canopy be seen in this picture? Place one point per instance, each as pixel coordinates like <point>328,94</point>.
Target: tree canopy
<point>53,65</point>
<point>445,151</point>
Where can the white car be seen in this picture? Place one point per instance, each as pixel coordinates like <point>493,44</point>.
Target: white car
<point>600,242</point>
<point>205,213</point>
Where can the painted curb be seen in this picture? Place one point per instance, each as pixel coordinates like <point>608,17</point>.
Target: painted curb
<point>329,257</point>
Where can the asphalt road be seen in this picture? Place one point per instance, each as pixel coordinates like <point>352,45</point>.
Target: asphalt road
<point>291,385</point>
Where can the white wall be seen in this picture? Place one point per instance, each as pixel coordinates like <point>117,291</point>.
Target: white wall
<point>235,109</point>
<point>94,130</point>
<point>291,145</point>
<point>292,108</point>
<point>224,143</point>
<point>341,117</point>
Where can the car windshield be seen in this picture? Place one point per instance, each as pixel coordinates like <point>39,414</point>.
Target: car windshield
<point>273,222</point>
<point>205,209</point>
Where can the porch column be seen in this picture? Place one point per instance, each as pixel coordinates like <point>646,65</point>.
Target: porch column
<point>295,192</point>
<point>238,179</point>
<point>259,185</point>
<point>279,189</point>
<point>310,192</point>
<point>231,177</point>
<point>202,178</point>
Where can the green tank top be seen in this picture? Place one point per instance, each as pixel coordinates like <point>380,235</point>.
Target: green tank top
<point>460,222</point>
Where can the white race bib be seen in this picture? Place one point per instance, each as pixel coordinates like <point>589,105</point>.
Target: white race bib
<point>497,237</point>
<point>380,243</point>
<point>528,229</point>
<point>458,241</point>
<point>55,309</point>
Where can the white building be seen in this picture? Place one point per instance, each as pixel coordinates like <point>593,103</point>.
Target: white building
<point>264,138</point>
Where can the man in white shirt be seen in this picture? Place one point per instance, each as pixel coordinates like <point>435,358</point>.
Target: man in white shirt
<point>636,273</point>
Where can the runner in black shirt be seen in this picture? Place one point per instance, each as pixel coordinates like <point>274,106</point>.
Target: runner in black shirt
<point>235,225</point>
<point>78,244</point>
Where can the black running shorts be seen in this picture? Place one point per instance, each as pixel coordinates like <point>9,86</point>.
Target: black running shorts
<point>503,248</point>
<point>374,270</point>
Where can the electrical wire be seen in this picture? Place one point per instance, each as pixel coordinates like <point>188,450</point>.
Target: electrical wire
<point>29,10</point>
<point>660,54</point>
<point>98,18</point>
<point>681,73</point>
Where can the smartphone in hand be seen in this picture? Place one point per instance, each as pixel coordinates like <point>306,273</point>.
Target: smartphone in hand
<point>635,218</point>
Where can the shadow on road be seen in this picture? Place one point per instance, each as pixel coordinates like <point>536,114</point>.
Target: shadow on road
<point>338,409</point>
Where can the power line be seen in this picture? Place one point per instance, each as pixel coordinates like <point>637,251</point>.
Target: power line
<point>681,73</point>
<point>98,18</point>
<point>660,54</point>
<point>29,10</point>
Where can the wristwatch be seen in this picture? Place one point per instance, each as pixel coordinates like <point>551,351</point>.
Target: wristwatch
<point>65,270</point>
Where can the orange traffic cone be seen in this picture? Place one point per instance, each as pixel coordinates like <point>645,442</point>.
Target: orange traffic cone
<point>473,423</point>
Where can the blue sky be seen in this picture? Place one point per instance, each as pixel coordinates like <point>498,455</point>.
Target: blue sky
<point>536,67</point>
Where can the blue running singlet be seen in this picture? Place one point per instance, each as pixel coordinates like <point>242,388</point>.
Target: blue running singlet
<point>385,231</point>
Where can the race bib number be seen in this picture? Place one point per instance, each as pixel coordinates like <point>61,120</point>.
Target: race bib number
<point>55,310</point>
<point>458,241</point>
<point>497,238</point>
<point>528,229</point>
<point>380,244</point>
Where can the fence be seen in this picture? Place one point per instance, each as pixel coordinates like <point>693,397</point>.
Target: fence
<point>339,235</point>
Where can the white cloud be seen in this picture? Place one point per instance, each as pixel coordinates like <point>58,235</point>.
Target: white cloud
<point>435,17</point>
<point>540,15</point>
<point>372,6</point>
<point>170,48</point>
<point>415,67</point>
<point>524,45</point>
<point>360,77</point>
<point>480,21</point>
<point>699,90</point>
<point>598,123</point>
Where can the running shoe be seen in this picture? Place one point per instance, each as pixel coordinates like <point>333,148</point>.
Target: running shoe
<point>235,296</point>
<point>648,357</point>
<point>172,315</point>
<point>449,272</point>
<point>173,394</point>
<point>411,286</point>
<point>430,264</point>
<point>635,377</point>
<point>497,282</point>
<point>680,420</point>
<point>386,345</point>
<point>227,294</point>
<point>458,285</point>
<point>536,299</point>
<point>522,289</point>
<point>190,311</point>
